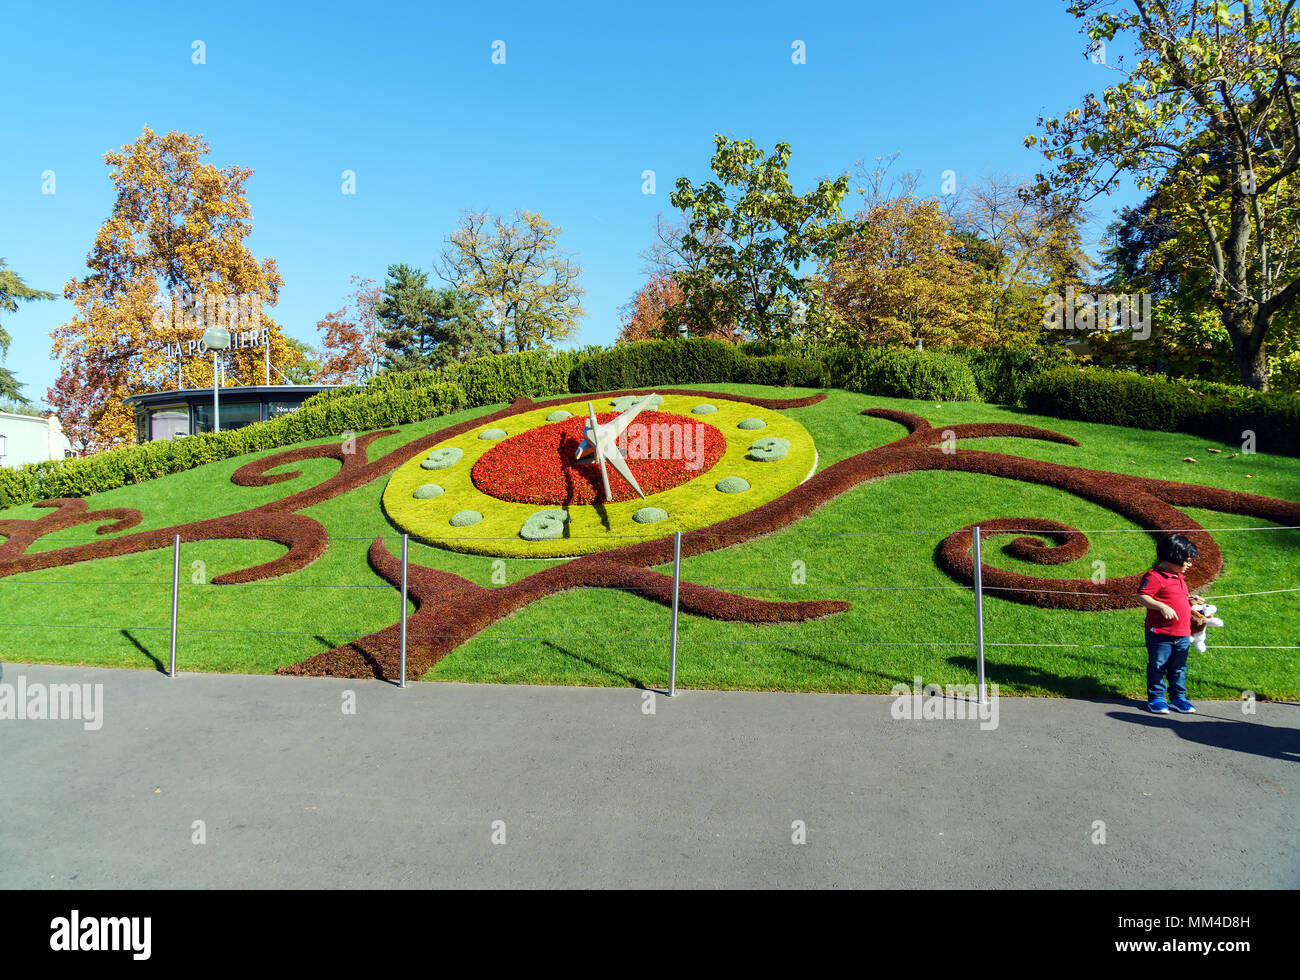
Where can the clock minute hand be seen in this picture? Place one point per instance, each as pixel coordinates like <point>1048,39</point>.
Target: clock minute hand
<point>595,442</point>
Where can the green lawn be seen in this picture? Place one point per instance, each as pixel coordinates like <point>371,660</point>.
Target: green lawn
<point>908,617</point>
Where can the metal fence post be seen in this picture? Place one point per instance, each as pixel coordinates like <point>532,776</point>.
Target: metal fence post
<point>176,583</point>
<point>402,682</point>
<point>979,615</point>
<point>677,581</point>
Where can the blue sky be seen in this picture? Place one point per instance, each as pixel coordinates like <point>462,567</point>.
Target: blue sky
<point>406,95</point>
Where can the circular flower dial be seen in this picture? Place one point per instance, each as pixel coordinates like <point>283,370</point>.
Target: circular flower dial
<point>540,466</point>
<point>537,500</point>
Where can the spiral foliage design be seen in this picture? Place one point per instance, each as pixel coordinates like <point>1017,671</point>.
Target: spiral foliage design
<point>451,609</point>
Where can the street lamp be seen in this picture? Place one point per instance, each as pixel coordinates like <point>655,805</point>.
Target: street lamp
<point>217,338</point>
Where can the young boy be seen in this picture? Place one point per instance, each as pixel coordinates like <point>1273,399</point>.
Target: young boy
<point>1163,593</point>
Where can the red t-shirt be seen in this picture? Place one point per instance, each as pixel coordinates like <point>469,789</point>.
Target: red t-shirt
<point>1171,589</point>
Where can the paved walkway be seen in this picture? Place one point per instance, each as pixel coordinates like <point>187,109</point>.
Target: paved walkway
<point>592,791</point>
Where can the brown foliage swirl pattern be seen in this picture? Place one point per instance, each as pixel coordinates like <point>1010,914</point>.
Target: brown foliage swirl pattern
<point>451,609</point>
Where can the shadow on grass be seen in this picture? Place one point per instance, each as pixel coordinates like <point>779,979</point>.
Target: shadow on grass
<point>1231,734</point>
<point>1022,677</point>
<point>855,669</point>
<point>625,678</point>
<point>157,664</point>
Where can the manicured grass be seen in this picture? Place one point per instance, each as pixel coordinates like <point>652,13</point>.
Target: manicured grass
<point>907,619</point>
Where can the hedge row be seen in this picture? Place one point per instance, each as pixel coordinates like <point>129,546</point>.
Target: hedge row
<point>485,381</point>
<point>903,374</point>
<point>1006,376</point>
<point>1222,412</point>
<point>353,412</point>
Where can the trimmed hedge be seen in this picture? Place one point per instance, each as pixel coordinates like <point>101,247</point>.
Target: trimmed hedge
<point>1222,412</point>
<point>648,363</point>
<point>928,375</point>
<point>350,412</point>
<point>1003,373</point>
<point>1005,376</point>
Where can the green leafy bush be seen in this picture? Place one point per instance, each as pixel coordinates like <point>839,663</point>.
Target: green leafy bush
<point>656,363</point>
<point>900,373</point>
<point>1002,373</point>
<point>1217,411</point>
<point>782,370</point>
<point>358,411</point>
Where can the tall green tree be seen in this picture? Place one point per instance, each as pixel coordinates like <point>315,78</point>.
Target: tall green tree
<point>12,291</point>
<point>523,285</point>
<point>423,328</point>
<point>747,239</point>
<point>1207,110</point>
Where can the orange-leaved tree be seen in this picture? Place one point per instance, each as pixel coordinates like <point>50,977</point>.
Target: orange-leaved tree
<point>169,262</point>
<point>900,279</point>
<point>353,343</point>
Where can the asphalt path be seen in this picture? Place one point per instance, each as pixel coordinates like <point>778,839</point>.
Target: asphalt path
<point>215,781</point>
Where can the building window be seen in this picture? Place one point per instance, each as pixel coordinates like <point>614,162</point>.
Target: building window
<point>234,415</point>
<point>281,408</point>
<point>169,422</point>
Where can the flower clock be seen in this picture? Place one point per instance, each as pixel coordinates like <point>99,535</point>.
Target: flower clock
<point>590,475</point>
<point>604,480</point>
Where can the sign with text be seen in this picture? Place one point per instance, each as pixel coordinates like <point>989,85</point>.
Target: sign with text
<point>238,341</point>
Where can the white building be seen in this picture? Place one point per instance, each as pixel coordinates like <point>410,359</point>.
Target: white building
<point>31,439</point>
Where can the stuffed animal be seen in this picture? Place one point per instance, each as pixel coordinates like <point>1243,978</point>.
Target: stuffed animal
<point>1203,616</point>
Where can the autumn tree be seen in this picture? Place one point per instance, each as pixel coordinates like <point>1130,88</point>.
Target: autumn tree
<point>352,347</point>
<point>657,310</point>
<point>523,286</point>
<point>423,328</point>
<point>13,291</point>
<point>1149,251</point>
<point>1208,110</point>
<point>1025,245</point>
<point>643,316</point>
<point>899,279</point>
<point>748,238</point>
<point>169,262</point>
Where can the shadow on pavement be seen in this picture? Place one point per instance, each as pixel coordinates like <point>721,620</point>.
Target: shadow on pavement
<point>1237,736</point>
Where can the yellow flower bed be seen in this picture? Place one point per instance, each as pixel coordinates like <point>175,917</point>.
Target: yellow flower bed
<point>597,527</point>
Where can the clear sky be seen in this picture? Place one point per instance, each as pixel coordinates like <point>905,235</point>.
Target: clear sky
<point>407,97</point>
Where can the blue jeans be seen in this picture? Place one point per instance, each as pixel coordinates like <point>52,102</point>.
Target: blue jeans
<point>1166,657</point>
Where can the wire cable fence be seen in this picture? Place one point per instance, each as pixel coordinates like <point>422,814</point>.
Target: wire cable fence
<point>758,590</point>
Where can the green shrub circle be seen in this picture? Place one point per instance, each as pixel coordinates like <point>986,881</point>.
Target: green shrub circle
<point>545,525</point>
<point>769,449</point>
<point>559,415</point>
<point>751,423</point>
<point>704,409</point>
<point>650,515</point>
<point>443,458</point>
<point>733,484</point>
<point>465,518</point>
<point>492,434</point>
<point>427,492</point>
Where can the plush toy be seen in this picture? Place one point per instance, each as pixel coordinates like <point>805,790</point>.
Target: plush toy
<point>1203,616</point>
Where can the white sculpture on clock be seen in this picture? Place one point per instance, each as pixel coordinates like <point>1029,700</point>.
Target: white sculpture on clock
<point>603,441</point>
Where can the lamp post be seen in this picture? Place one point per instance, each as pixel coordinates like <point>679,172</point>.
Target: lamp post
<point>217,338</point>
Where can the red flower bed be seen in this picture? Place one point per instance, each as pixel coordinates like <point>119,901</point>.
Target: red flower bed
<point>539,466</point>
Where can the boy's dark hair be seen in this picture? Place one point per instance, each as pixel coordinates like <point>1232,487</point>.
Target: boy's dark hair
<point>1176,549</point>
